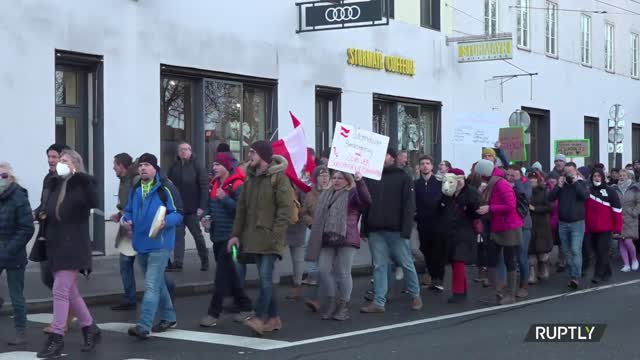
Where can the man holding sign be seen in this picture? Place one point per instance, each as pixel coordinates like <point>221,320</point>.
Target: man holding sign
<point>388,223</point>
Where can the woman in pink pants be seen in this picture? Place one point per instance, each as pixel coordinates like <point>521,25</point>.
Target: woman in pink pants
<point>72,195</point>
<point>629,193</point>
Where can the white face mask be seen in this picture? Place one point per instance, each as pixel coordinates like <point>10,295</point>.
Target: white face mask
<point>63,169</point>
<point>597,183</point>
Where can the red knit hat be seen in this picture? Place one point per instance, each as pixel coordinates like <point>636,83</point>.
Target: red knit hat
<point>456,171</point>
<point>225,159</point>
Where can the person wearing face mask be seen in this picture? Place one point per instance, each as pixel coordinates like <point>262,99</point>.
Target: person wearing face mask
<point>629,194</point>
<point>456,214</point>
<point>16,229</point>
<point>541,242</point>
<point>335,238</point>
<point>72,195</point>
<point>603,220</point>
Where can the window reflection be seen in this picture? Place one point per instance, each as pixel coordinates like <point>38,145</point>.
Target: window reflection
<point>176,120</point>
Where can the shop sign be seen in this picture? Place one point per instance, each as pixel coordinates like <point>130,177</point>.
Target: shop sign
<point>357,150</point>
<point>328,15</point>
<point>378,61</point>
<point>512,140</point>
<point>576,148</point>
<point>493,49</point>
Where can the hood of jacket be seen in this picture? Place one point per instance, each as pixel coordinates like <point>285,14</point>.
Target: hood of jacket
<point>497,172</point>
<point>278,164</point>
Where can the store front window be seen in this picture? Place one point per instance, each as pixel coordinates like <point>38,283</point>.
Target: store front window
<point>175,117</point>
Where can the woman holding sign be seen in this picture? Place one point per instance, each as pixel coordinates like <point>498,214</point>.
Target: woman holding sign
<point>335,238</point>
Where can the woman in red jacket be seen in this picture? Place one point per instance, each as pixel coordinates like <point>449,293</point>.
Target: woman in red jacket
<point>603,220</point>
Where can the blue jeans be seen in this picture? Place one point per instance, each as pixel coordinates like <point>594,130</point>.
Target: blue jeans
<point>385,245</point>
<point>523,256</point>
<point>128,276</point>
<point>15,280</point>
<point>571,236</point>
<point>266,307</point>
<point>156,295</point>
<point>310,266</point>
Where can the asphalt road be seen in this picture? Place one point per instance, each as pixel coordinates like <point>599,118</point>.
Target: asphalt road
<point>440,330</point>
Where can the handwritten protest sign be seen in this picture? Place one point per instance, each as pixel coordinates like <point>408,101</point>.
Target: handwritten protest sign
<point>512,140</point>
<point>576,148</point>
<point>355,149</point>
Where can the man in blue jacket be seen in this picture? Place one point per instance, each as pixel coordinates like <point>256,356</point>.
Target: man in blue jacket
<point>145,199</point>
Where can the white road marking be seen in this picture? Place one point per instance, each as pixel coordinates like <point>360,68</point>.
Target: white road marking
<point>21,355</point>
<point>266,344</point>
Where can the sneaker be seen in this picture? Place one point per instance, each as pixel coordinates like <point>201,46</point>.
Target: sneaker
<point>372,308</point>
<point>20,339</point>
<point>626,268</point>
<point>635,265</point>
<point>124,307</point>
<point>209,321</point>
<point>243,316</point>
<point>310,280</point>
<point>416,303</point>
<point>574,284</point>
<point>139,332</point>
<point>399,273</point>
<point>163,326</point>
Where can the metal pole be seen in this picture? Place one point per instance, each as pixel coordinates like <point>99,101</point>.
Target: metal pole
<point>615,137</point>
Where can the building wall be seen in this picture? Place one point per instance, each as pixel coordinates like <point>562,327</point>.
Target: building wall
<point>135,37</point>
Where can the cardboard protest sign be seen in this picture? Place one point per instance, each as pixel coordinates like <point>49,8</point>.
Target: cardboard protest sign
<point>360,150</point>
<point>512,140</point>
<point>576,148</point>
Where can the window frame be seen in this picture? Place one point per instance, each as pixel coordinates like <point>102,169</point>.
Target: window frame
<point>551,22</point>
<point>586,42</point>
<point>635,55</point>
<point>523,38</point>
<point>434,22</point>
<point>488,17</point>
<point>610,47</point>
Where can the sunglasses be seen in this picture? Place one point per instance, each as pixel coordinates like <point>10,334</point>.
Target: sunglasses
<point>4,176</point>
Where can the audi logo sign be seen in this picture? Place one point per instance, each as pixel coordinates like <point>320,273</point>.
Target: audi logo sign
<point>342,13</point>
<point>345,13</point>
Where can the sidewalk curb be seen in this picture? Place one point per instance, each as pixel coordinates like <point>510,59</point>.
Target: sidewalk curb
<point>182,290</point>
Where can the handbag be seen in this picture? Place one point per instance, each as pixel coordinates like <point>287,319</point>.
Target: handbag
<point>39,249</point>
<point>333,240</point>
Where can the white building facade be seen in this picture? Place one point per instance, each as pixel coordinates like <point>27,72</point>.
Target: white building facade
<point>107,77</point>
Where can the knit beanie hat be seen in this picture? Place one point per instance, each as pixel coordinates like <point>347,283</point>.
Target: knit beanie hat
<point>225,159</point>
<point>484,168</point>
<point>223,147</point>
<point>263,149</point>
<point>488,151</point>
<point>149,159</point>
<point>536,165</point>
<point>561,157</point>
<point>456,171</point>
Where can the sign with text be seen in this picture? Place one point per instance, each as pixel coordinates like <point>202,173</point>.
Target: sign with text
<point>576,148</point>
<point>360,150</point>
<point>493,49</point>
<point>512,140</point>
<point>377,60</point>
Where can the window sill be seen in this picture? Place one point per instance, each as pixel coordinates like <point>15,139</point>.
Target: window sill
<point>610,71</point>
<point>429,27</point>
<point>523,48</point>
<point>552,56</point>
<point>587,65</point>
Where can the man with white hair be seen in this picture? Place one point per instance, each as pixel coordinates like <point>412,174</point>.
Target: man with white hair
<point>16,229</point>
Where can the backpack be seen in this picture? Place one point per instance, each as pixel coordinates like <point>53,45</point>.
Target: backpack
<point>522,204</point>
<point>295,204</point>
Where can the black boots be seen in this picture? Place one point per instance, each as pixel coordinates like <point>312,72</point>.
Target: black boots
<point>91,335</point>
<point>52,348</point>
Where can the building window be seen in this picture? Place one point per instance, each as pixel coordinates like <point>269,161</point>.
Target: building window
<point>412,125</point>
<point>592,131</point>
<point>389,11</point>
<point>490,17</point>
<point>585,39</point>
<point>176,120</point>
<point>327,114</point>
<point>430,14</point>
<point>551,29</point>
<point>609,48</point>
<point>635,55</point>
<point>523,23</point>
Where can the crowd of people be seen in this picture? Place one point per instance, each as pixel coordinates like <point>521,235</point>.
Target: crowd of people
<point>501,218</point>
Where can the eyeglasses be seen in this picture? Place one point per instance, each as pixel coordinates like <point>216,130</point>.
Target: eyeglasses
<point>4,175</point>
<point>251,151</point>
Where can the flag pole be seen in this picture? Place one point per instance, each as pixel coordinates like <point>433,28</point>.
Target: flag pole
<point>274,134</point>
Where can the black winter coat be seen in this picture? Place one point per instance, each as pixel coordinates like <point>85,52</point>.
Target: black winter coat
<point>541,236</point>
<point>192,181</point>
<point>16,227</point>
<point>455,218</point>
<point>428,196</point>
<point>68,238</point>
<point>393,204</point>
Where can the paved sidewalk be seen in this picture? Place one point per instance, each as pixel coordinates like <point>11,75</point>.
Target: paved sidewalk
<point>105,285</point>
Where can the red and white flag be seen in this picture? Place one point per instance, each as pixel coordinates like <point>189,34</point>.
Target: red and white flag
<point>293,147</point>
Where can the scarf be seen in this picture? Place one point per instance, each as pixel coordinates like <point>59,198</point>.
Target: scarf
<point>330,218</point>
<point>624,186</point>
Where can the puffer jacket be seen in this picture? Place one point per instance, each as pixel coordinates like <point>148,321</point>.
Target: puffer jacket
<point>264,210</point>
<point>16,227</point>
<point>223,211</point>
<point>502,206</point>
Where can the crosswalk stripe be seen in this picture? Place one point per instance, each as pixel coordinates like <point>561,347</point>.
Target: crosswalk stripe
<point>21,355</point>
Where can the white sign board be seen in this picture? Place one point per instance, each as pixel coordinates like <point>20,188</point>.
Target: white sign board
<point>479,129</point>
<point>355,150</point>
